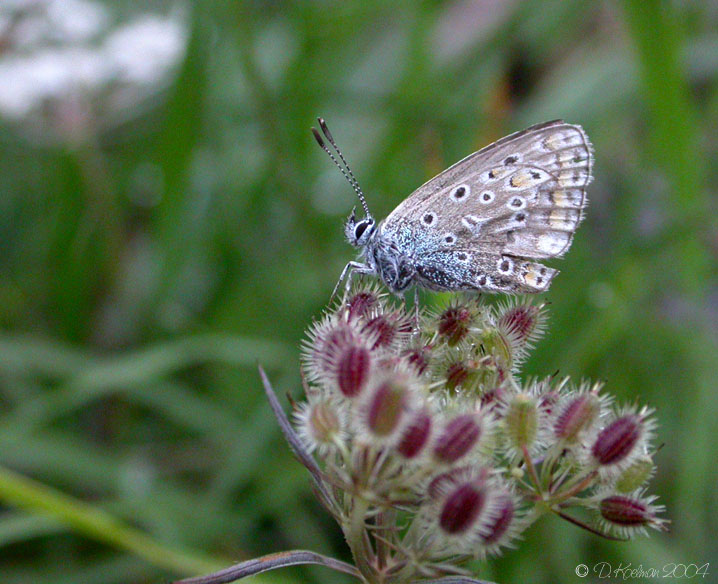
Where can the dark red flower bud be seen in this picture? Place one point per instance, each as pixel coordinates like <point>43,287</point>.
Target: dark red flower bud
<point>418,359</point>
<point>498,527</point>
<point>359,304</point>
<point>416,435</point>
<point>462,508</point>
<point>458,437</point>
<point>387,327</point>
<point>576,416</point>
<point>454,323</point>
<point>626,511</point>
<point>617,440</point>
<point>456,374</point>
<point>353,369</point>
<point>521,324</point>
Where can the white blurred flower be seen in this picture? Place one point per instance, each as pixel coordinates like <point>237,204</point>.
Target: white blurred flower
<point>144,50</point>
<point>62,55</point>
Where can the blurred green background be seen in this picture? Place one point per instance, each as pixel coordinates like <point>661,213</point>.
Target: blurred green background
<point>167,222</point>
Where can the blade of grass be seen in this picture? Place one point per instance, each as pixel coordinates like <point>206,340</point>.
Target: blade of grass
<point>655,30</point>
<point>21,491</point>
<point>101,377</point>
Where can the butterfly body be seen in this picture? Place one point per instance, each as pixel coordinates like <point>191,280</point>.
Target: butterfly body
<point>480,224</point>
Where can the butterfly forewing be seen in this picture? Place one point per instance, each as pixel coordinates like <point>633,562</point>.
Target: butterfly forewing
<point>520,197</point>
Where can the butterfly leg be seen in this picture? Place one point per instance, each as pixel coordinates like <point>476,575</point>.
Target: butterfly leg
<point>350,269</point>
<point>416,308</point>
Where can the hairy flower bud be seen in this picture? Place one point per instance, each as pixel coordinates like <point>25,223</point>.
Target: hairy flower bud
<point>415,435</point>
<point>520,325</point>
<point>576,416</point>
<point>617,441</point>
<point>498,527</point>
<point>386,407</point>
<point>458,437</point>
<point>628,513</point>
<point>386,328</point>
<point>635,475</point>
<point>522,421</point>
<point>417,359</point>
<point>454,323</point>
<point>359,303</point>
<point>320,424</point>
<point>329,353</point>
<point>456,374</point>
<point>462,508</point>
<point>352,370</point>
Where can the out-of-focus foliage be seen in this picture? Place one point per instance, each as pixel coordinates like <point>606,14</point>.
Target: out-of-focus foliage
<point>167,221</point>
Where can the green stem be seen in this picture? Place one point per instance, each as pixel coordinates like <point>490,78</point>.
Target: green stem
<point>96,523</point>
<point>576,488</point>
<point>356,536</point>
<point>531,469</point>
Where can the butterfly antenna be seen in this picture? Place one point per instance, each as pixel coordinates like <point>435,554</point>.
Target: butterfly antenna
<point>346,171</point>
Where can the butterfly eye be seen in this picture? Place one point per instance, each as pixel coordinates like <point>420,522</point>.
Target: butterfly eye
<point>361,228</point>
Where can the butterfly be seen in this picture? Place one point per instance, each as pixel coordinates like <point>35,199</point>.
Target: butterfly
<point>481,223</point>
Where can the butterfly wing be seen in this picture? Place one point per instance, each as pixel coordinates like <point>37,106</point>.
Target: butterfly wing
<point>520,197</point>
<point>467,269</point>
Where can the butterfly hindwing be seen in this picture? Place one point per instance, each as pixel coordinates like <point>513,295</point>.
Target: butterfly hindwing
<point>522,196</point>
<point>466,269</point>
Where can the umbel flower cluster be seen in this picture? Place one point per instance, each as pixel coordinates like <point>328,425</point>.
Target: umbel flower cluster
<point>429,451</point>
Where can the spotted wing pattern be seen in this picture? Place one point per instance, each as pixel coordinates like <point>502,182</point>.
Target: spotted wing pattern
<point>478,223</point>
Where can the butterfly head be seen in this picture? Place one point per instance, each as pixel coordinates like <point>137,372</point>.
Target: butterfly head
<point>359,231</point>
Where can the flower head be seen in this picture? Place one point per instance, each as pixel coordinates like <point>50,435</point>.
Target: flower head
<point>431,442</point>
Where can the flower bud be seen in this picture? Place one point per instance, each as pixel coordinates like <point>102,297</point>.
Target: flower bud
<point>462,508</point>
<point>454,323</point>
<point>387,327</point>
<point>576,416</point>
<point>522,421</point>
<point>335,340</point>
<point>626,512</point>
<point>520,325</point>
<point>415,435</point>
<point>352,370</point>
<point>320,424</point>
<point>444,481</point>
<point>359,303</point>
<point>491,399</point>
<point>456,374</point>
<point>498,527</point>
<point>547,402</point>
<point>386,406</point>
<point>327,340</point>
<point>618,440</point>
<point>417,359</point>
<point>459,436</point>
<point>635,475</point>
